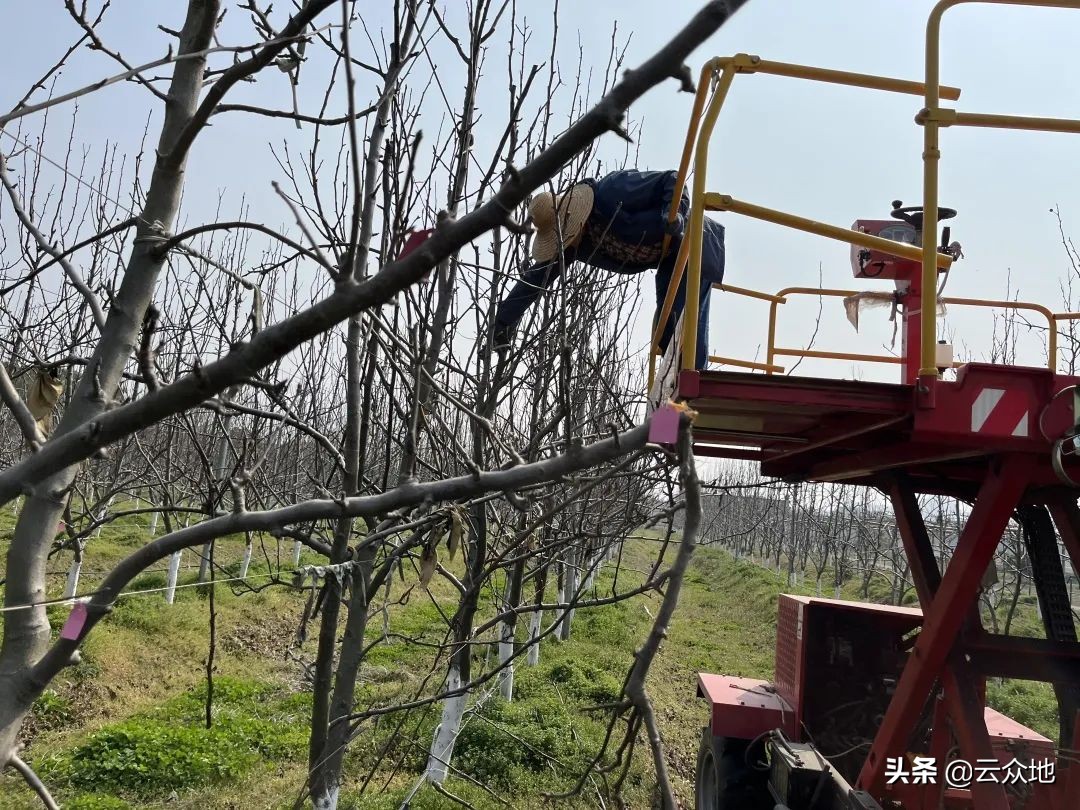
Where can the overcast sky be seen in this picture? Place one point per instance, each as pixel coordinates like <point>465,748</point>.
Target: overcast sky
<point>829,153</point>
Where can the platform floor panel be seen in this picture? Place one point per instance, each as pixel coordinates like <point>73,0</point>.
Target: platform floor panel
<point>771,411</point>
<point>819,429</point>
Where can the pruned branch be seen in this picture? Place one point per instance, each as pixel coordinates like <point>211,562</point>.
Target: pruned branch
<point>34,782</point>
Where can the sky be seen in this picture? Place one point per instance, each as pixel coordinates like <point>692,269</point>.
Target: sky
<point>833,154</point>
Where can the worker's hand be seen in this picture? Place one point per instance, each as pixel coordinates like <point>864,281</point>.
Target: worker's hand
<point>673,228</point>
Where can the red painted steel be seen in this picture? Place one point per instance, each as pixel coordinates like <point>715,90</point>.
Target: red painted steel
<point>831,430</point>
<point>963,693</point>
<point>986,436</point>
<point>743,708</point>
<point>789,658</point>
<point>999,495</point>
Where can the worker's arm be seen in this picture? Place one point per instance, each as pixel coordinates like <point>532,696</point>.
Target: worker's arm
<point>528,288</point>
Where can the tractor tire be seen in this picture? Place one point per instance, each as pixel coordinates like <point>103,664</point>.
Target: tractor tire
<point>724,780</point>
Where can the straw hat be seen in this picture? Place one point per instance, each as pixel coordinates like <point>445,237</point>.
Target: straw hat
<point>574,208</point>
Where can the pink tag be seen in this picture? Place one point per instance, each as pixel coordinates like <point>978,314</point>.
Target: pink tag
<point>75,622</point>
<point>664,425</point>
<point>415,240</point>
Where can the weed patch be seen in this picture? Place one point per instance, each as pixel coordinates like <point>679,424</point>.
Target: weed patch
<point>168,748</point>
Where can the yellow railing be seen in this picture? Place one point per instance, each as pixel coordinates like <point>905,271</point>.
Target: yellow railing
<point>776,299</point>
<point>716,77</point>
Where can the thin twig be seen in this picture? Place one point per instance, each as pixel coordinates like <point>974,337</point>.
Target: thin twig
<point>34,782</point>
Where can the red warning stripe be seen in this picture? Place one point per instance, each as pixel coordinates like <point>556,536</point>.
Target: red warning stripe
<point>1006,416</point>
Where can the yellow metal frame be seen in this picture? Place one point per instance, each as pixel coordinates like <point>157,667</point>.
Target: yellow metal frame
<point>776,299</point>
<point>716,78</point>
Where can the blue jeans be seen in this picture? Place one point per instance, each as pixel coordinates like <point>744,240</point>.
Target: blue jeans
<point>663,279</point>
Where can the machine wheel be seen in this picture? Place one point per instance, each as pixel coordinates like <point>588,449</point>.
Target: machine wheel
<point>724,780</point>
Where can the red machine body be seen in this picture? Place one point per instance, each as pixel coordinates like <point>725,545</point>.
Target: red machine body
<point>1002,438</point>
<point>837,667</point>
<point>867,263</point>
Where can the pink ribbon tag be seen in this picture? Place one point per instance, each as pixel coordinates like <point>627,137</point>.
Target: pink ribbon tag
<point>664,425</point>
<point>75,622</point>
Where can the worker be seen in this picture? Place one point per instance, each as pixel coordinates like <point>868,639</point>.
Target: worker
<point>615,223</point>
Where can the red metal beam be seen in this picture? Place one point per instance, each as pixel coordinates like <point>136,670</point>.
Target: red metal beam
<point>998,496</point>
<point>905,454</point>
<point>920,553</point>
<point>741,453</point>
<point>841,396</point>
<point>969,725</point>
<point>1029,659</point>
<point>963,701</point>
<point>831,441</point>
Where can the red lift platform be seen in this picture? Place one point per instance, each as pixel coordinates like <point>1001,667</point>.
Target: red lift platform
<point>1001,438</point>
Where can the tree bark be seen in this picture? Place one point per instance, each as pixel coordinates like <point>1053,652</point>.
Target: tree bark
<point>26,632</point>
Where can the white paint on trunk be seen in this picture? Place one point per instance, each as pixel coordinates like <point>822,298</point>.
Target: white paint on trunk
<point>591,566</point>
<point>506,652</point>
<point>532,658</point>
<point>174,570</point>
<point>566,617</point>
<point>104,513</point>
<point>72,585</point>
<point>204,563</point>
<point>297,547</point>
<point>329,801</point>
<point>442,747</point>
<point>246,562</point>
<point>154,516</point>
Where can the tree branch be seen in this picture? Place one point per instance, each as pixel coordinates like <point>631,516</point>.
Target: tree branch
<point>277,340</point>
<point>295,116</point>
<point>128,74</point>
<point>452,489</point>
<point>44,245</point>
<point>34,781</point>
<point>635,685</point>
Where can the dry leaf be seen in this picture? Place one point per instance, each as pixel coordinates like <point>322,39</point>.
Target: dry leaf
<point>42,397</point>
<point>428,560</point>
<point>454,540</point>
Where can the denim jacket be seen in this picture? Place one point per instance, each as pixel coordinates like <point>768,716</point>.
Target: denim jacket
<point>631,207</point>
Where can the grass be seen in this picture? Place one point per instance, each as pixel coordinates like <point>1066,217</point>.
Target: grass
<point>125,727</point>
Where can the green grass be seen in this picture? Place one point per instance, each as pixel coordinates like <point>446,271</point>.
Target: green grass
<point>125,727</point>
<point>169,749</point>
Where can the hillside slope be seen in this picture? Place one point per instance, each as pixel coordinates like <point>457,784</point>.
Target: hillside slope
<point>126,727</point>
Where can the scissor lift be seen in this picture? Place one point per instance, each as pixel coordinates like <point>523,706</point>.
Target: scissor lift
<point>999,437</point>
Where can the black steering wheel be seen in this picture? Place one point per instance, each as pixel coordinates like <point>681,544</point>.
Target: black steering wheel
<point>913,214</point>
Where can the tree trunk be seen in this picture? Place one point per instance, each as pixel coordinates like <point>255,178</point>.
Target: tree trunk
<point>221,470</point>
<point>174,573</point>
<point>27,632</point>
<point>569,589</point>
<point>536,620</point>
<point>507,629</point>
<point>71,587</point>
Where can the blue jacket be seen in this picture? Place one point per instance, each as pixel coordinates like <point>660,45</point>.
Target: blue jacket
<point>632,206</point>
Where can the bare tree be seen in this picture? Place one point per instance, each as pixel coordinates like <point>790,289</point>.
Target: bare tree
<point>231,377</point>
